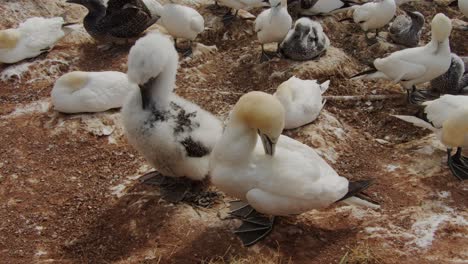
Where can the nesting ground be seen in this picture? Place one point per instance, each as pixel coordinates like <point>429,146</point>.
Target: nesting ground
<point>69,189</point>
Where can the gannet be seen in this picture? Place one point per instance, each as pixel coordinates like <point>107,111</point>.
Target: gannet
<point>414,66</point>
<point>78,92</point>
<point>32,37</point>
<point>302,100</point>
<point>119,21</point>
<point>276,175</point>
<point>454,80</point>
<point>174,135</point>
<point>305,41</point>
<point>406,30</point>
<point>447,117</point>
<point>374,15</point>
<point>273,24</point>
<point>240,4</point>
<point>322,7</point>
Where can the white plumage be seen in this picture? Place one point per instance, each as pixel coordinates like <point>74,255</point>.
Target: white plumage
<point>290,178</point>
<point>302,100</point>
<point>242,4</point>
<point>32,37</point>
<point>78,92</point>
<point>273,24</point>
<point>463,6</point>
<point>324,7</point>
<point>374,15</point>
<point>180,21</point>
<point>174,135</point>
<point>418,65</point>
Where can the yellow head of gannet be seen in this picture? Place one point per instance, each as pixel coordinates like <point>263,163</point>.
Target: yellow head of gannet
<point>74,80</point>
<point>9,38</point>
<point>441,27</point>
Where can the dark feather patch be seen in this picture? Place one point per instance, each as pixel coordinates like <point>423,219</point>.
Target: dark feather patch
<point>183,119</point>
<point>194,149</point>
<point>355,188</point>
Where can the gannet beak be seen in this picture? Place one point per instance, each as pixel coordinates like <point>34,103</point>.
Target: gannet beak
<point>269,145</point>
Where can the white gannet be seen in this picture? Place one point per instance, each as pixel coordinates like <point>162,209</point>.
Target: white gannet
<point>463,6</point>
<point>79,92</point>
<point>117,21</point>
<point>32,37</point>
<point>276,175</point>
<point>302,100</point>
<point>240,4</point>
<point>174,135</point>
<point>418,65</point>
<point>323,7</point>
<point>306,41</point>
<point>454,80</point>
<point>181,22</point>
<point>374,15</point>
<point>273,24</point>
<point>406,30</point>
<point>447,117</point>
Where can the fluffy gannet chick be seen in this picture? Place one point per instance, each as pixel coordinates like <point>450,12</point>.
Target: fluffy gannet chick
<point>174,135</point>
<point>374,15</point>
<point>302,101</point>
<point>277,176</point>
<point>306,41</point>
<point>323,7</point>
<point>447,117</point>
<point>273,24</point>
<point>117,22</point>
<point>454,80</point>
<point>240,4</point>
<point>32,37</point>
<point>79,92</point>
<point>418,65</point>
<point>406,30</point>
<point>181,22</point>
<point>463,6</point>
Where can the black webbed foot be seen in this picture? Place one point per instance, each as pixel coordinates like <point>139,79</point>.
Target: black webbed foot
<point>254,228</point>
<point>458,165</point>
<point>240,209</point>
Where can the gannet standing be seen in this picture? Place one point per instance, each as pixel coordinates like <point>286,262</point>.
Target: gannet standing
<point>273,24</point>
<point>174,135</point>
<point>276,175</point>
<point>414,66</point>
<point>374,15</point>
<point>32,37</point>
<point>447,117</point>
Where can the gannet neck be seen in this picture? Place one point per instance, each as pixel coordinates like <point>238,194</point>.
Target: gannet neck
<point>154,7</point>
<point>284,3</point>
<point>157,90</point>
<point>96,11</point>
<point>237,143</point>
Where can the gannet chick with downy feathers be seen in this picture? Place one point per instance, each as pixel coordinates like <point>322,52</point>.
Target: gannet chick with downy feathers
<point>454,81</point>
<point>302,101</point>
<point>323,7</point>
<point>306,41</point>
<point>406,30</point>
<point>32,37</point>
<point>447,117</point>
<point>181,22</point>
<point>418,65</point>
<point>174,135</point>
<point>272,25</point>
<point>118,22</point>
<point>276,175</point>
<point>240,4</point>
<point>79,92</point>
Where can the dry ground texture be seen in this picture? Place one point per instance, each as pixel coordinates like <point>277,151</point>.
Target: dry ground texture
<point>69,189</point>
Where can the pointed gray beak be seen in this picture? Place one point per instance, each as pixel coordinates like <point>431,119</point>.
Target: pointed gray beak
<point>269,145</point>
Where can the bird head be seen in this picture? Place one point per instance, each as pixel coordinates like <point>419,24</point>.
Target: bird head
<point>9,38</point>
<point>265,114</point>
<point>441,27</point>
<point>74,80</point>
<point>89,4</point>
<point>455,128</point>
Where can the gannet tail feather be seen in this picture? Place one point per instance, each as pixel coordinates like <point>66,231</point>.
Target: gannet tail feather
<point>416,121</point>
<point>356,197</point>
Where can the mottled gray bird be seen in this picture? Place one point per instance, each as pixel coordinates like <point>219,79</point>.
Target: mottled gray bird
<point>406,30</point>
<point>120,21</point>
<point>455,80</point>
<point>305,41</point>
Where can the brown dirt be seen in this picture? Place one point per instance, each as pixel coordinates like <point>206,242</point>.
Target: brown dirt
<point>59,181</point>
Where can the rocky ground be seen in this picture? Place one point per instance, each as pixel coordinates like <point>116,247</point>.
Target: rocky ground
<point>69,189</point>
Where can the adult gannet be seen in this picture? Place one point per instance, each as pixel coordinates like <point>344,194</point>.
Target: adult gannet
<point>32,37</point>
<point>240,4</point>
<point>374,15</point>
<point>174,135</point>
<point>306,41</point>
<point>418,65</point>
<point>279,176</point>
<point>119,21</point>
<point>273,24</point>
<point>406,30</point>
<point>302,100</point>
<point>323,7</point>
<point>454,80</point>
<point>78,92</point>
<point>447,117</point>
<point>181,22</point>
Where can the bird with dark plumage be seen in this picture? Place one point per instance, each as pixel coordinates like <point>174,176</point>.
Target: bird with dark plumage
<point>120,21</point>
<point>305,41</point>
<point>406,30</point>
<point>455,80</point>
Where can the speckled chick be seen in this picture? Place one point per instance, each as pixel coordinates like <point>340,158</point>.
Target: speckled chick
<point>406,30</point>
<point>454,80</point>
